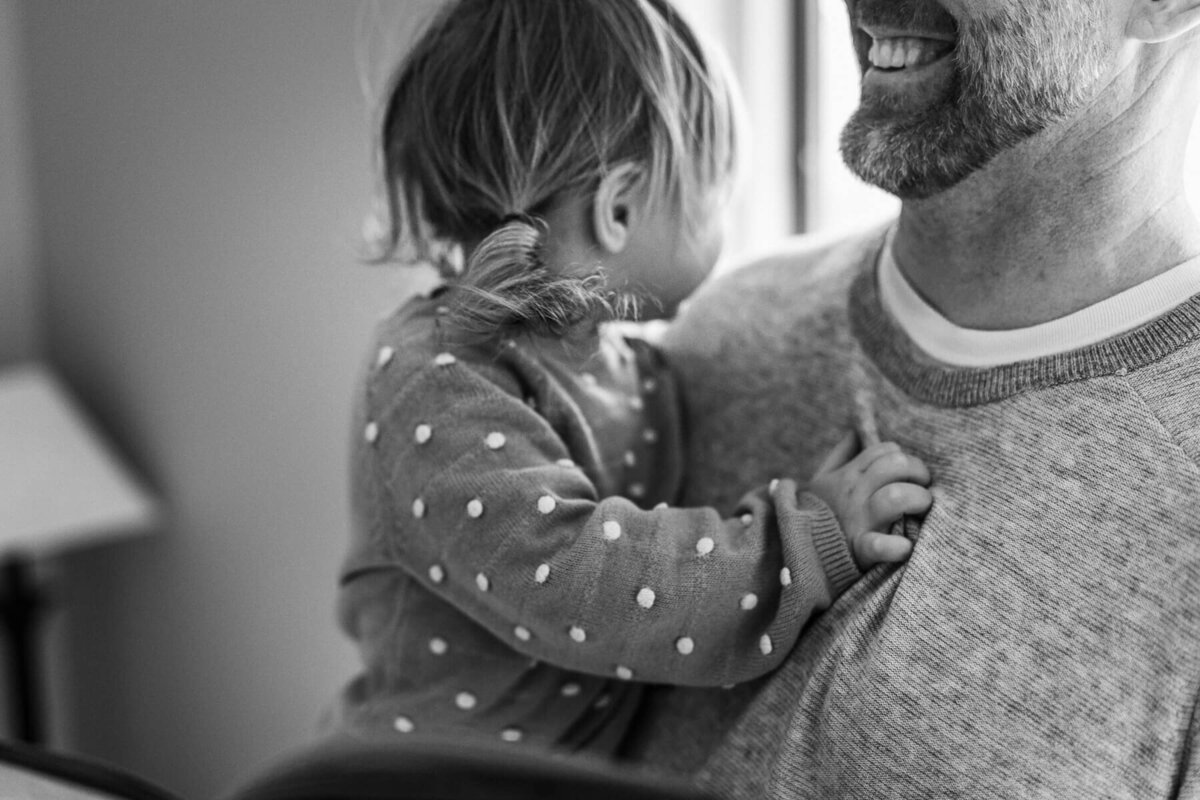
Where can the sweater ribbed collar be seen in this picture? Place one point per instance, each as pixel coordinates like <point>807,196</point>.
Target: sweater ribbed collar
<point>929,381</point>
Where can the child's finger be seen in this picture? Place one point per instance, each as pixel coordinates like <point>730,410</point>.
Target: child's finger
<point>841,454</point>
<point>870,455</point>
<point>893,501</point>
<point>893,467</point>
<point>878,548</point>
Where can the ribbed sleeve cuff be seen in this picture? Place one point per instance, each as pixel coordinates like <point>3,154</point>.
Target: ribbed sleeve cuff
<point>830,543</point>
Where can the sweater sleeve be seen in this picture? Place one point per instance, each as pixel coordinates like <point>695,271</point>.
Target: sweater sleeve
<point>486,509</point>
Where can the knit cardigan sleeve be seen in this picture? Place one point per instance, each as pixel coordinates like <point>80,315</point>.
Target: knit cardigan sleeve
<point>485,508</point>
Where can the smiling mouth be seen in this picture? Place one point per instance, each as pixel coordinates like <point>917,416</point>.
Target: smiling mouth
<point>907,69</point>
<point>895,53</point>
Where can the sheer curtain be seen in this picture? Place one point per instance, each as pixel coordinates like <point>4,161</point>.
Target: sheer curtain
<point>756,35</point>
<point>760,38</point>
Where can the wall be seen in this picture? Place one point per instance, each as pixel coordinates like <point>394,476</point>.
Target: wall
<point>19,318</point>
<point>203,169</point>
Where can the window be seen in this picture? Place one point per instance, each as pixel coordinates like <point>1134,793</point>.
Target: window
<point>756,35</point>
<point>797,99</point>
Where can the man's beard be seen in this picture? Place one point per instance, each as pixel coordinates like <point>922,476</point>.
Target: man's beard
<point>1018,69</point>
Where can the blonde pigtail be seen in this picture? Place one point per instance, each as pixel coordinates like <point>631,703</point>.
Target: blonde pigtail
<point>507,286</point>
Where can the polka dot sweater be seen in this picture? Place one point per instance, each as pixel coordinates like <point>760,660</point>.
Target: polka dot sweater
<point>516,567</point>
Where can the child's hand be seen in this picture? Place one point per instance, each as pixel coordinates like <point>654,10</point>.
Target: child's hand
<point>868,492</point>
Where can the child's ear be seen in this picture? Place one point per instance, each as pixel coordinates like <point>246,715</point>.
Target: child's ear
<point>617,206</point>
<point>1162,20</point>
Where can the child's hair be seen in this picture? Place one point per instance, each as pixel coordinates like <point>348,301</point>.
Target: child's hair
<point>503,106</point>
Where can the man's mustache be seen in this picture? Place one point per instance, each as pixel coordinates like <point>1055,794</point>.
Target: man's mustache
<point>928,16</point>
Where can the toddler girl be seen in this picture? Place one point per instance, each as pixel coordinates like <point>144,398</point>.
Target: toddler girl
<point>516,569</point>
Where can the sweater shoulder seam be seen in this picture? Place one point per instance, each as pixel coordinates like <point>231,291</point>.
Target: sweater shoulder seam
<point>1162,426</point>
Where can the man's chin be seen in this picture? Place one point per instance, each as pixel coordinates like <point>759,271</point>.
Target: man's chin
<point>903,160</point>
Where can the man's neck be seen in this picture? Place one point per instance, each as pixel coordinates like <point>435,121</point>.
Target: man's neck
<point>1066,219</point>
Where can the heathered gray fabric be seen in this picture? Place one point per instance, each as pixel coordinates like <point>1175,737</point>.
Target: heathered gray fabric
<point>1044,639</point>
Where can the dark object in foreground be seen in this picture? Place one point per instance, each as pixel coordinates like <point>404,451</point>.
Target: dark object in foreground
<point>28,768</point>
<point>427,769</point>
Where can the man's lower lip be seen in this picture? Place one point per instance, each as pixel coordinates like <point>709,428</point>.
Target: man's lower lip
<point>911,84</point>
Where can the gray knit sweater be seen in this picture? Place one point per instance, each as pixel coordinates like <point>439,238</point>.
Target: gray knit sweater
<point>1043,640</point>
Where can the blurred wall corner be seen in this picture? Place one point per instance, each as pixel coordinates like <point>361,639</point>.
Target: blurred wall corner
<point>20,296</point>
<point>200,171</point>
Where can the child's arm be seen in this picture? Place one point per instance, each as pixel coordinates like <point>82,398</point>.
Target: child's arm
<point>486,511</point>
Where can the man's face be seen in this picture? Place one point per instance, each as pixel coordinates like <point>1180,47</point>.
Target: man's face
<point>948,84</point>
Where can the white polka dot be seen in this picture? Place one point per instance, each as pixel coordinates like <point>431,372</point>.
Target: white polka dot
<point>612,530</point>
<point>637,490</point>
<point>785,576</point>
<point>705,545</point>
<point>602,701</point>
<point>588,378</point>
<point>404,725</point>
<point>511,734</point>
<point>636,403</point>
<point>522,633</point>
<point>570,689</point>
<point>371,432</point>
<point>630,458</point>
<point>765,645</point>
<point>418,508</point>
<point>546,504</point>
<point>531,401</point>
<point>577,634</point>
<point>749,601</point>
<point>475,508</point>
<point>661,506</point>
<point>495,440</point>
<point>438,646</point>
<point>443,309</point>
<point>649,384</point>
<point>437,574</point>
<point>482,582</point>
<point>747,520</point>
<point>645,597</point>
<point>510,344</point>
<point>565,462</point>
<point>773,485</point>
<point>685,645</point>
<point>542,573</point>
<point>464,700</point>
<point>625,673</point>
<point>422,433</point>
<point>444,359</point>
<point>385,355</point>
<point>650,435</point>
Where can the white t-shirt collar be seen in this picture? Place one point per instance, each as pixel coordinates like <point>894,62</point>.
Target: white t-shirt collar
<point>944,341</point>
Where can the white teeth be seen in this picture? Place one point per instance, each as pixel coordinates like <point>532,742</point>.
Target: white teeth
<point>901,52</point>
